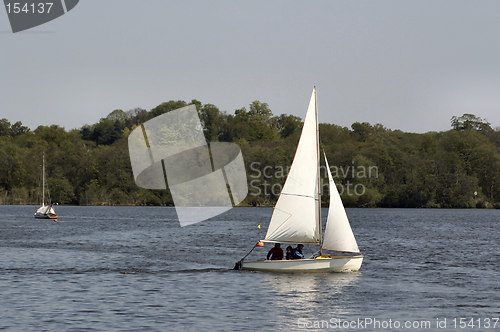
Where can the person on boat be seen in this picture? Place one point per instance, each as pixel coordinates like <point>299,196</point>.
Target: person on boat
<point>276,253</point>
<point>289,253</point>
<point>297,252</point>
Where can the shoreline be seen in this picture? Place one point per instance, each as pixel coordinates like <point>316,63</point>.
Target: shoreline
<point>271,206</point>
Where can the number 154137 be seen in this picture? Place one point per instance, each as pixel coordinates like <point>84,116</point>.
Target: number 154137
<point>29,8</point>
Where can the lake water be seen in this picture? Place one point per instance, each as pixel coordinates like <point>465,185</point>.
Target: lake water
<point>135,269</point>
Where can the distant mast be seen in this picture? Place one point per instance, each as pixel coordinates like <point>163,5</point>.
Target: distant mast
<point>43,179</point>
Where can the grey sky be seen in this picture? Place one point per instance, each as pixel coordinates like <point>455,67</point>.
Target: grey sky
<point>409,65</point>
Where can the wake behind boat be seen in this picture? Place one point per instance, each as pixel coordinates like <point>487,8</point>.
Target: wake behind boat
<point>297,215</point>
<point>45,211</point>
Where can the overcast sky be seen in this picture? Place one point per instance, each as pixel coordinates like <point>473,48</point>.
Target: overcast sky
<point>410,65</point>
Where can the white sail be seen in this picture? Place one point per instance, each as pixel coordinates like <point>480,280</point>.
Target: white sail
<point>51,211</point>
<point>295,216</point>
<point>338,232</point>
<point>42,209</point>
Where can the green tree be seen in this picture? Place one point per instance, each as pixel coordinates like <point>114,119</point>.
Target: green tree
<point>362,131</point>
<point>288,124</point>
<point>470,122</point>
<point>211,121</point>
<point>167,107</point>
<point>18,129</point>
<point>61,190</point>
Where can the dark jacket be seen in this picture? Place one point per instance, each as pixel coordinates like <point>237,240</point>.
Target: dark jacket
<point>275,253</point>
<point>296,254</point>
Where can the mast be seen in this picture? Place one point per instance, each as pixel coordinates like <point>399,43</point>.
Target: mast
<point>43,179</point>
<point>318,186</point>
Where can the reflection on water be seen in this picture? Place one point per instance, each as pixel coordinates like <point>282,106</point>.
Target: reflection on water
<point>313,295</point>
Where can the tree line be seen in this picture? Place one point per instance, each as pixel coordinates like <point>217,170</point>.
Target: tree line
<point>373,166</point>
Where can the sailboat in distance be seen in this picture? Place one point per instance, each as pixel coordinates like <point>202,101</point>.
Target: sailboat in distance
<point>45,211</point>
<point>297,215</point>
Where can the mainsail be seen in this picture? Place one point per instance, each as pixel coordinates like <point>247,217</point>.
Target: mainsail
<point>295,217</point>
<point>338,232</point>
<point>45,209</point>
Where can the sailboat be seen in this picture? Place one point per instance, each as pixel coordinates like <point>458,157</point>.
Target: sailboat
<point>45,211</point>
<point>297,214</point>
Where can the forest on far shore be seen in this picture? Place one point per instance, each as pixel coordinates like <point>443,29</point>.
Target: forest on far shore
<point>373,166</point>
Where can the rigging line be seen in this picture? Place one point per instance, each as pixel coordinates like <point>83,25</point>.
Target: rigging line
<point>255,246</point>
<point>309,196</point>
<point>237,265</point>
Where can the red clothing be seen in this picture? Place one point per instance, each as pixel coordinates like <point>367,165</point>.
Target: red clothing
<point>275,253</point>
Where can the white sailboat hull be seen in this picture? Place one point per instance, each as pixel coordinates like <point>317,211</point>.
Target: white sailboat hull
<point>332,264</point>
<point>45,216</point>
